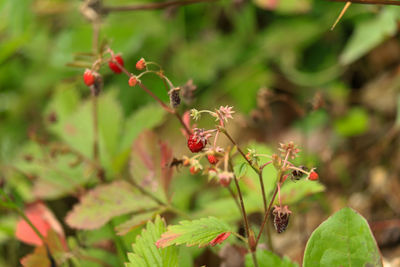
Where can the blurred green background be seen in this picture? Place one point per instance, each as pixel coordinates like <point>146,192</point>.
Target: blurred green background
<point>276,61</point>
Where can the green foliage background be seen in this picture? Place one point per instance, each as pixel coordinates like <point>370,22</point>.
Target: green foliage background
<point>230,49</point>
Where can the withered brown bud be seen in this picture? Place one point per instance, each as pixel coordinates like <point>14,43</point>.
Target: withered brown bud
<point>296,174</point>
<point>174,98</point>
<point>281,218</point>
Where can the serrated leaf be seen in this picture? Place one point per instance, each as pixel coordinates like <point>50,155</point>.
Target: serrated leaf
<point>104,202</point>
<point>146,254</point>
<point>266,258</point>
<point>344,239</point>
<point>198,232</point>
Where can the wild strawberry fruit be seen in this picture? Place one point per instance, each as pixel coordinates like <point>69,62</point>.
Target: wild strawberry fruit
<point>88,77</point>
<point>313,176</point>
<point>132,81</point>
<point>193,170</point>
<point>114,66</point>
<point>141,64</point>
<point>212,159</point>
<point>281,218</point>
<point>194,144</point>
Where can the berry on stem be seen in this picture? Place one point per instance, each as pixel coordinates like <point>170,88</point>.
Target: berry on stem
<point>132,81</point>
<point>313,176</point>
<point>141,64</point>
<point>88,77</point>
<point>212,159</point>
<point>114,66</point>
<point>193,170</point>
<point>195,144</point>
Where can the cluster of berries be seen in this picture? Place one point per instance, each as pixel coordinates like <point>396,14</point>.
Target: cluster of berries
<point>116,64</point>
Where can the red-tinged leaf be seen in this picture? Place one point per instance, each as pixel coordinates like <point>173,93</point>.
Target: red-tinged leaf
<point>149,162</point>
<point>166,170</point>
<point>220,238</point>
<point>104,202</point>
<point>41,257</point>
<point>166,240</point>
<point>43,219</point>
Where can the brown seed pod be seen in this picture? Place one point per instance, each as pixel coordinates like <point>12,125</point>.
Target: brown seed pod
<point>174,97</point>
<point>281,218</point>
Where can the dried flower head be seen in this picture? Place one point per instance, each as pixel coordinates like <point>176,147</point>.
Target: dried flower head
<point>289,149</point>
<point>224,113</point>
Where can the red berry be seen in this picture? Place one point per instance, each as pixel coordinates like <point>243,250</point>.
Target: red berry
<point>132,81</point>
<point>224,181</point>
<point>193,170</point>
<point>212,159</point>
<point>195,145</point>
<point>88,77</point>
<point>313,176</point>
<point>141,64</point>
<point>113,66</point>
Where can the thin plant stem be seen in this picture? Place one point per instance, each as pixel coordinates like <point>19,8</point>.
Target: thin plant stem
<point>371,2</point>
<point>266,215</point>
<point>151,6</point>
<point>254,258</point>
<point>163,105</point>
<point>179,117</point>
<point>239,149</point>
<point>243,209</point>
<point>346,6</point>
<point>260,177</point>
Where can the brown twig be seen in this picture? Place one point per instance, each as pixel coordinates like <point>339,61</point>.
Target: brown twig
<point>151,6</point>
<point>371,2</point>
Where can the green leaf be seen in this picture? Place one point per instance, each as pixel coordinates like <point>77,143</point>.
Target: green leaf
<point>146,254</point>
<point>145,118</point>
<point>134,222</point>
<point>104,202</point>
<point>344,239</point>
<point>198,232</point>
<point>355,122</point>
<point>266,258</point>
<point>369,34</point>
